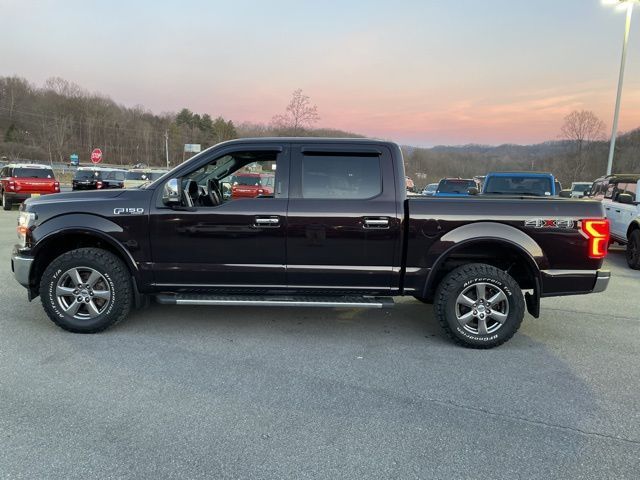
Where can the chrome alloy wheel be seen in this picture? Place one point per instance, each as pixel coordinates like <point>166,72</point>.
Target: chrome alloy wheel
<point>482,308</point>
<point>83,293</point>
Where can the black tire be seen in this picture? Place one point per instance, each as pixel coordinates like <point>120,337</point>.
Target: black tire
<point>469,278</point>
<point>115,281</point>
<point>633,250</point>
<point>6,203</point>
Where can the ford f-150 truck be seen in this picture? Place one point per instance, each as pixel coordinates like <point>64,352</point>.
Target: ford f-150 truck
<point>338,231</point>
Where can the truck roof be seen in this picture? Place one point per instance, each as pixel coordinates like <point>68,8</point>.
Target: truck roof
<point>527,174</point>
<point>27,165</point>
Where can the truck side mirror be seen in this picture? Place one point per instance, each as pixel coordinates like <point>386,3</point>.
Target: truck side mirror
<point>625,198</point>
<point>473,191</point>
<point>171,195</point>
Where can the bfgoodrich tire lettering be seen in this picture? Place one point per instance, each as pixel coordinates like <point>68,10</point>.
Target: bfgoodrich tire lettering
<point>114,279</point>
<point>479,306</point>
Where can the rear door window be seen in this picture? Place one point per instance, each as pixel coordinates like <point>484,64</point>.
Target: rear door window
<point>341,176</point>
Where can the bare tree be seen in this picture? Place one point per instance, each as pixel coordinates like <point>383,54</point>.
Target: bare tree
<point>300,114</point>
<point>581,129</point>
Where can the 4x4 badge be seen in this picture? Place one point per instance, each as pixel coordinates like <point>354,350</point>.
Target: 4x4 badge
<point>549,223</point>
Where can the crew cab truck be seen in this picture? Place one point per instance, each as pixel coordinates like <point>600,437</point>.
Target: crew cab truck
<point>621,201</point>
<point>338,231</point>
<point>19,181</point>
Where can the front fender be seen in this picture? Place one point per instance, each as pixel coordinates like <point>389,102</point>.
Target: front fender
<point>81,224</point>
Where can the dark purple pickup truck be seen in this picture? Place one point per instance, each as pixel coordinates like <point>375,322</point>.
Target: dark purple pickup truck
<point>337,231</point>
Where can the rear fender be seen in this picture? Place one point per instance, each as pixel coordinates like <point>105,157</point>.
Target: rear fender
<point>497,233</point>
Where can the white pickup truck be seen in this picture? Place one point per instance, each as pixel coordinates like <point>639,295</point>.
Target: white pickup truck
<point>621,201</point>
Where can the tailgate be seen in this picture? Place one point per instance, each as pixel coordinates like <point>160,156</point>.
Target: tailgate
<point>35,185</point>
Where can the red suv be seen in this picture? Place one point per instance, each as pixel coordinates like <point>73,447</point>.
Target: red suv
<point>251,185</point>
<point>21,181</point>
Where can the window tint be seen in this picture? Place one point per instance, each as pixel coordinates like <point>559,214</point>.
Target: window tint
<point>630,188</point>
<point>341,176</point>
<point>33,173</point>
<point>536,186</point>
<point>455,186</point>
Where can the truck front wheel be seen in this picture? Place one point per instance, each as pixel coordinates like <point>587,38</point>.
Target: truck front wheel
<point>86,290</point>
<point>633,250</point>
<point>479,306</point>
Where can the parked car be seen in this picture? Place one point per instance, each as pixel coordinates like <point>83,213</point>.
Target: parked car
<point>619,195</point>
<point>339,231</point>
<point>97,178</point>
<point>532,184</point>
<point>430,189</point>
<point>579,189</point>
<point>19,181</point>
<point>251,185</point>
<point>136,177</point>
<point>455,187</point>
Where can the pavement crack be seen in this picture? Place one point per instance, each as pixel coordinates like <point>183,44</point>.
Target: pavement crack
<point>533,422</point>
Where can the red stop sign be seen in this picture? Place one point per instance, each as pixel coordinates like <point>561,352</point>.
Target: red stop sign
<point>96,155</point>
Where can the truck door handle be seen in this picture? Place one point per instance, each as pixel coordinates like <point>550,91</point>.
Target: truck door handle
<point>376,222</point>
<point>272,221</point>
<point>617,211</point>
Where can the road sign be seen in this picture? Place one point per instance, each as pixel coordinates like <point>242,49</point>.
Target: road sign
<point>192,147</point>
<point>74,159</point>
<point>96,155</point>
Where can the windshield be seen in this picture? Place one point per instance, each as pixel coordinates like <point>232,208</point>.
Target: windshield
<point>455,186</point>
<point>116,175</point>
<point>534,186</point>
<point>33,172</point>
<point>581,188</point>
<point>431,187</point>
<point>85,175</point>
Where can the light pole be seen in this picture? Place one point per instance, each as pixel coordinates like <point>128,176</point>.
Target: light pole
<point>628,5</point>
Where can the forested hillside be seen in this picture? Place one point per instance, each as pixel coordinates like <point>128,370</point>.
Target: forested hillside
<point>48,123</point>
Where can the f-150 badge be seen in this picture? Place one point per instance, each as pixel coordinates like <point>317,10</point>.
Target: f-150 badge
<point>128,211</point>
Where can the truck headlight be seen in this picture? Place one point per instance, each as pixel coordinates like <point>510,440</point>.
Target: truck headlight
<point>26,220</point>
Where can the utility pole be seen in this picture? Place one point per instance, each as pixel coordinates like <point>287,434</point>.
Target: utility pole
<point>616,115</point>
<point>166,146</point>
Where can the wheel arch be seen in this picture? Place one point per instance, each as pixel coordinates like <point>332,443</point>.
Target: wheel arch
<point>635,225</point>
<point>57,242</point>
<point>496,244</point>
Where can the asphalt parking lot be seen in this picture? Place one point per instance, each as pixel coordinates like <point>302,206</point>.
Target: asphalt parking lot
<point>196,392</point>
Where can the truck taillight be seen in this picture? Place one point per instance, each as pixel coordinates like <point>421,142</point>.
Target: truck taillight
<point>56,186</point>
<point>11,185</point>
<point>98,184</point>
<point>597,232</point>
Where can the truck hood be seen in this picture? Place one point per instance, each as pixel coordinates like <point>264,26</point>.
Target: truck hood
<point>80,197</point>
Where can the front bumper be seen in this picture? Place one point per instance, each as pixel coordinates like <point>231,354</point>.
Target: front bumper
<point>573,282</point>
<point>21,268</point>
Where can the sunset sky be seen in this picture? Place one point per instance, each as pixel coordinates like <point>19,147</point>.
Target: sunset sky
<point>419,72</point>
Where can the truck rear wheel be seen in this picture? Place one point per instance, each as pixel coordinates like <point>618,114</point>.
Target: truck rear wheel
<point>479,306</point>
<point>633,250</point>
<point>86,290</point>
